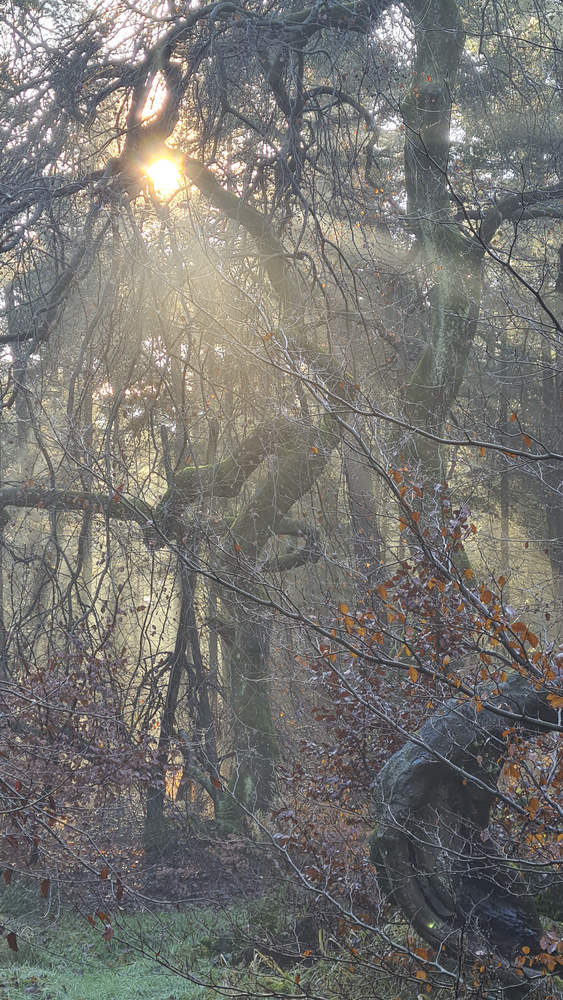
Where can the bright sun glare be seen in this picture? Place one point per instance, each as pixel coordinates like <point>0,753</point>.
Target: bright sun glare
<point>165,176</point>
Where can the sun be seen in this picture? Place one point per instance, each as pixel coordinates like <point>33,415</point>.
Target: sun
<point>165,176</point>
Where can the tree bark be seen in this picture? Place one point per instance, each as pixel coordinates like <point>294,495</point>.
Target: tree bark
<point>256,749</point>
<point>455,261</point>
<point>433,800</point>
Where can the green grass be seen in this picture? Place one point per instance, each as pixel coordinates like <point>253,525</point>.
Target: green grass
<point>99,981</point>
<point>65,958</point>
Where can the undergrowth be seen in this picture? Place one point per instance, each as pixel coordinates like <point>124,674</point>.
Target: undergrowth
<point>264,947</point>
<point>164,955</point>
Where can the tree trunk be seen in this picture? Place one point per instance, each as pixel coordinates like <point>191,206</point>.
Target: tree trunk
<point>552,437</point>
<point>504,473</point>
<point>157,835</point>
<point>368,544</point>
<point>256,749</point>
<point>454,260</point>
<point>433,800</point>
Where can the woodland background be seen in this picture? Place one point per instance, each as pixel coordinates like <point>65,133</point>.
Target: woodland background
<point>281,428</point>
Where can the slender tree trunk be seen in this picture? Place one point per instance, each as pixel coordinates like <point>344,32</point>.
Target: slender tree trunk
<point>552,389</point>
<point>198,700</point>
<point>368,544</point>
<point>504,473</point>
<point>155,835</point>
<point>85,553</point>
<point>553,438</point>
<point>213,641</point>
<point>3,649</point>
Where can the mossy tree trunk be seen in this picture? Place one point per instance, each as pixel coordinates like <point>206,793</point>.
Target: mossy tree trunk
<point>451,241</point>
<point>256,749</point>
<point>433,800</point>
<point>303,457</point>
<point>454,261</point>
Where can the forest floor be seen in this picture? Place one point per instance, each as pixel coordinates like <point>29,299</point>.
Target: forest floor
<point>162,955</point>
<point>215,920</point>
